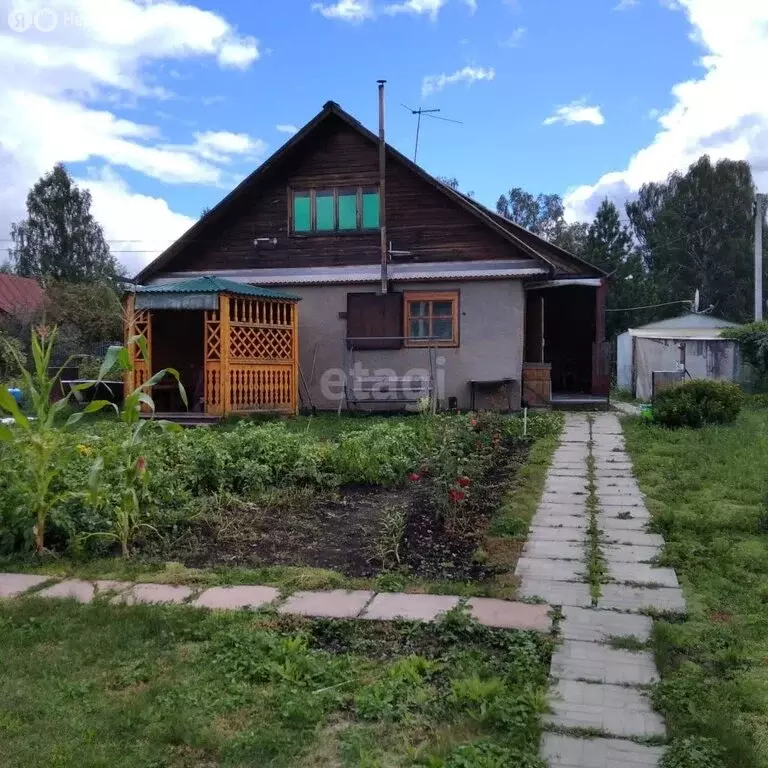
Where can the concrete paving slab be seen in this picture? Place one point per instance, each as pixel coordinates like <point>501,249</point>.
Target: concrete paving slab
<point>82,591</point>
<point>555,592</point>
<point>578,509</point>
<point>626,489</point>
<point>566,485</point>
<point>557,520</point>
<point>504,614</point>
<point>547,568</point>
<point>638,512</point>
<point>548,533</point>
<point>334,604</point>
<point>596,626</point>
<point>14,584</point>
<point>567,472</point>
<point>614,473</point>
<point>613,709</point>
<point>153,593</point>
<point>633,537</point>
<point>611,524</point>
<point>625,598</point>
<point>569,752</point>
<point>617,553</point>
<point>237,597</point>
<point>389,606</point>
<point>611,500</point>
<point>558,550</point>
<point>579,660</point>
<point>564,498</point>
<point>641,573</point>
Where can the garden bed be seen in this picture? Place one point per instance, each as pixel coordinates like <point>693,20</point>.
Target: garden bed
<point>350,529</point>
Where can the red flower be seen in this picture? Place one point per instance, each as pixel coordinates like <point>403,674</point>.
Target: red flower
<point>456,496</point>
<point>473,422</point>
<point>414,477</point>
<point>463,481</point>
<point>141,465</point>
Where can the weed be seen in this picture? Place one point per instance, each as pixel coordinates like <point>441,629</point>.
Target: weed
<point>627,643</point>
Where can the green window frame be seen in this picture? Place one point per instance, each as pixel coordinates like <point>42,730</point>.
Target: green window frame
<point>334,210</point>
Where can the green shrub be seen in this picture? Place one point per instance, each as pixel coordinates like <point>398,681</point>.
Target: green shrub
<point>694,752</point>
<point>698,403</point>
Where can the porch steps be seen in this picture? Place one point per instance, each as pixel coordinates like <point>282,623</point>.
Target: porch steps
<point>580,403</point>
<point>185,419</point>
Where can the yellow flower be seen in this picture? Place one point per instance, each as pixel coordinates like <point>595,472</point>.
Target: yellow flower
<point>84,450</point>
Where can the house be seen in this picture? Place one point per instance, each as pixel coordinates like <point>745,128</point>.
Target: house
<point>20,297</point>
<point>690,346</point>
<point>419,292</point>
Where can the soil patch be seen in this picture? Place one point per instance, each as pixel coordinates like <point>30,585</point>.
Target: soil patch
<point>349,530</point>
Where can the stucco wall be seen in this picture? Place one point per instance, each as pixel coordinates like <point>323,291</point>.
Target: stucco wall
<point>491,327</point>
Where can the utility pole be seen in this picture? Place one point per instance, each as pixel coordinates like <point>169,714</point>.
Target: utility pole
<point>761,205</point>
<point>383,189</point>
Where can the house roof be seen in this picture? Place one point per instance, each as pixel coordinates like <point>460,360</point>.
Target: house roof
<point>687,326</point>
<point>19,294</point>
<point>559,262</point>
<point>210,285</point>
<point>371,273</point>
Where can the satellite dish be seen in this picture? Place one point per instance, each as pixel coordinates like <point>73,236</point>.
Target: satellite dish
<point>696,300</point>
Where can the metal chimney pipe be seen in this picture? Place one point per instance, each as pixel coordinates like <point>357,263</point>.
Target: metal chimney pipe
<point>382,190</point>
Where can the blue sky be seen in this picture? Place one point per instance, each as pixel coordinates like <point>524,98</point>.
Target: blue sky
<point>160,107</point>
<point>568,51</point>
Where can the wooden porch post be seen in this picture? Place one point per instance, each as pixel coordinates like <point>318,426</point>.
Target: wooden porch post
<point>601,375</point>
<point>226,340</point>
<point>295,376</point>
<point>129,310</point>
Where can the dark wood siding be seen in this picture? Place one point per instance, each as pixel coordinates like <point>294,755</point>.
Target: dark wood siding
<point>375,321</point>
<point>419,218</point>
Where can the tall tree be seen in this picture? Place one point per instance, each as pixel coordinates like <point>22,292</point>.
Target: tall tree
<point>695,231</point>
<point>609,246</point>
<point>60,238</point>
<point>544,215</point>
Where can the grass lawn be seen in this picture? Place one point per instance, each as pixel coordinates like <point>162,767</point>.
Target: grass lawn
<point>160,687</point>
<point>708,491</point>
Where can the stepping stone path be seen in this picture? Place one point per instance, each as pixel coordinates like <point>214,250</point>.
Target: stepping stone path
<point>592,502</point>
<point>335,604</point>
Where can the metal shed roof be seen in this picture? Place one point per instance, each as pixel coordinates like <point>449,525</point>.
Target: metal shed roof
<point>688,326</point>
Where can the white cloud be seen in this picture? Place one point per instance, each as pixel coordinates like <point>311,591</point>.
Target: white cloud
<point>222,146</point>
<point>468,75</point>
<point>430,8</point>
<point>626,5</point>
<point>472,5</point>
<point>723,113</point>
<point>515,38</point>
<point>576,112</point>
<point>287,128</point>
<point>353,11</point>
<point>100,49</point>
<point>137,226</point>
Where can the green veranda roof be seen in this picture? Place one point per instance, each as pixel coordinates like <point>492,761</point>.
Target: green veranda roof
<point>209,284</point>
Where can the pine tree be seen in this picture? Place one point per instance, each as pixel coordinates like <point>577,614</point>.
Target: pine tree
<point>609,246</point>
<point>60,238</point>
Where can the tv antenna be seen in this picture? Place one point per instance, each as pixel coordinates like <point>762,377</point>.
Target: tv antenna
<point>427,113</point>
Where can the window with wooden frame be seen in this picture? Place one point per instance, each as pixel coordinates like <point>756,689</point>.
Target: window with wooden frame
<point>334,210</point>
<point>431,319</point>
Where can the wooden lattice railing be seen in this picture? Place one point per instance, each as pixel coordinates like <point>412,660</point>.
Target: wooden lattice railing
<point>250,362</point>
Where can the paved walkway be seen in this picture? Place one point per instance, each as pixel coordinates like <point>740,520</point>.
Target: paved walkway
<point>591,511</point>
<point>336,604</point>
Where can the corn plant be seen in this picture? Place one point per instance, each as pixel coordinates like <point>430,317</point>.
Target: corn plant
<point>126,496</point>
<point>35,435</point>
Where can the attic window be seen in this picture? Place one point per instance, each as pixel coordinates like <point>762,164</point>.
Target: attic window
<point>334,210</point>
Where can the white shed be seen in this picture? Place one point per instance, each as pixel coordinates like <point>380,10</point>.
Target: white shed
<point>691,339</point>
